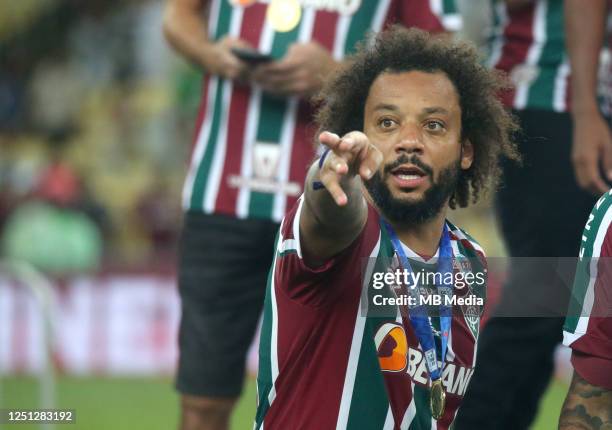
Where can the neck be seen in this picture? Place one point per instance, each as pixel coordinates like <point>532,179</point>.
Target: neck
<point>422,238</point>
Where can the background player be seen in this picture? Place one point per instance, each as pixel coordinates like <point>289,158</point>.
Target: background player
<point>542,206</point>
<point>588,327</point>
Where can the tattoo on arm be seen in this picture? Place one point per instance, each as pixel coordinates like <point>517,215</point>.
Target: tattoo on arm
<point>586,407</point>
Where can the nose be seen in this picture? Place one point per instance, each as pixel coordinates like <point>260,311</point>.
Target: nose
<point>410,140</point>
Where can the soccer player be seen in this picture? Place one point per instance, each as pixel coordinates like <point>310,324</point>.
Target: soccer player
<point>588,326</point>
<point>412,126</point>
<point>248,164</point>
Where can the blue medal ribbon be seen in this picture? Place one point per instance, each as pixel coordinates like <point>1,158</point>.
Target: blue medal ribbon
<point>418,313</point>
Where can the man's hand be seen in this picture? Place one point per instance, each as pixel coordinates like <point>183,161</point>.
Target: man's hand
<point>184,27</point>
<point>219,60</point>
<point>351,155</point>
<point>331,219</point>
<point>592,146</point>
<point>301,72</point>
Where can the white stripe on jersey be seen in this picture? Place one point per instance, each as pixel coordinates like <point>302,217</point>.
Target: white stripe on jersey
<point>410,411</point>
<point>201,142</point>
<point>274,331</point>
<point>498,41</point>
<point>389,420</point>
<point>287,245</point>
<point>380,15</point>
<point>204,132</point>
<point>434,424</point>
<point>295,228</point>
<point>351,368</point>
<point>213,18</point>
<point>216,167</point>
<point>342,28</point>
<point>450,21</point>
<point>450,352</point>
<point>288,126</point>
<point>559,96</point>
<point>534,52</point>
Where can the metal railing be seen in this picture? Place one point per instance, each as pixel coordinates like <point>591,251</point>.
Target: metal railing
<point>42,290</point>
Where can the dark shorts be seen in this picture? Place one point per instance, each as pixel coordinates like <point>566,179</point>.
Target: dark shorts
<point>223,270</point>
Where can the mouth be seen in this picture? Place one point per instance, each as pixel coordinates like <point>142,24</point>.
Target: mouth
<point>408,176</point>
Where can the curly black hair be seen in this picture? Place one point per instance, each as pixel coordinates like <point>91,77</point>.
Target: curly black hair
<point>484,121</point>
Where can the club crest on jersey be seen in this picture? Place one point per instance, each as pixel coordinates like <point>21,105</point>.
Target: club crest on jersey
<point>471,313</point>
<point>266,160</point>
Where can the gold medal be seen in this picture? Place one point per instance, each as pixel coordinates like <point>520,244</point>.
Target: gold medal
<point>284,15</point>
<point>437,399</point>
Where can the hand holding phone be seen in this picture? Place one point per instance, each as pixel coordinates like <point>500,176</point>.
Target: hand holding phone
<point>252,56</point>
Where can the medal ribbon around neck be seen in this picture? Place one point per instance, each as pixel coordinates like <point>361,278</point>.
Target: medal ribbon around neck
<point>418,313</point>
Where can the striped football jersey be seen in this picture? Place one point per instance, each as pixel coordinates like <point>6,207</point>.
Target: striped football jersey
<point>325,363</point>
<point>529,45</point>
<point>251,150</point>
<point>588,326</point>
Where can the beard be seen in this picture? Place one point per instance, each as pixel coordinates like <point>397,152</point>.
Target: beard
<point>413,211</point>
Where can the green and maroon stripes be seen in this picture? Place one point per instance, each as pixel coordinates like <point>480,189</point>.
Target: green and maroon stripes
<point>359,25</point>
<point>542,90</point>
<point>592,236</point>
<point>209,142</point>
<point>272,113</point>
<point>369,393</point>
<point>529,45</point>
<point>265,381</point>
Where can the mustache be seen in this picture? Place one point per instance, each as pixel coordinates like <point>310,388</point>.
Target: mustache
<point>405,159</point>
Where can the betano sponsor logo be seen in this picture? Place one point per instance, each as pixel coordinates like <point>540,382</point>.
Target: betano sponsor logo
<point>402,358</point>
<point>343,7</point>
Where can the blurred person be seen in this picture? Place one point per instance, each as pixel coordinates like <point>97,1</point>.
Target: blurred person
<point>588,327</point>
<point>542,206</point>
<point>248,164</point>
<point>52,228</point>
<point>421,131</point>
<point>592,139</point>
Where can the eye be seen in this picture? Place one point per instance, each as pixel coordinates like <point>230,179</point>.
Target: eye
<point>434,125</point>
<point>386,123</point>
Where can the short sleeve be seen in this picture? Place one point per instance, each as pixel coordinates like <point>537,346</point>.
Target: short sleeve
<point>339,275</point>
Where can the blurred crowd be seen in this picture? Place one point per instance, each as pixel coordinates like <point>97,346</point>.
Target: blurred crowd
<point>95,125</point>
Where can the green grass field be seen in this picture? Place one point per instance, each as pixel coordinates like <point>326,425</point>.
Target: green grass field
<point>151,404</point>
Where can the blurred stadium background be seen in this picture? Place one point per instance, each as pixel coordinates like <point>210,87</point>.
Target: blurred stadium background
<point>96,121</point>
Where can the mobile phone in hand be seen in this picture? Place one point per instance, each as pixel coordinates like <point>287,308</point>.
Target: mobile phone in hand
<point>252,56</point>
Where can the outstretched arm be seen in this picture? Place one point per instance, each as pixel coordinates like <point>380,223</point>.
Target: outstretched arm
<point>333,217</point>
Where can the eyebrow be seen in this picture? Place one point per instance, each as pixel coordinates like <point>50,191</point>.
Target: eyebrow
<point>427,111</point>
<point>435,109</point>
<point>384,106</point>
